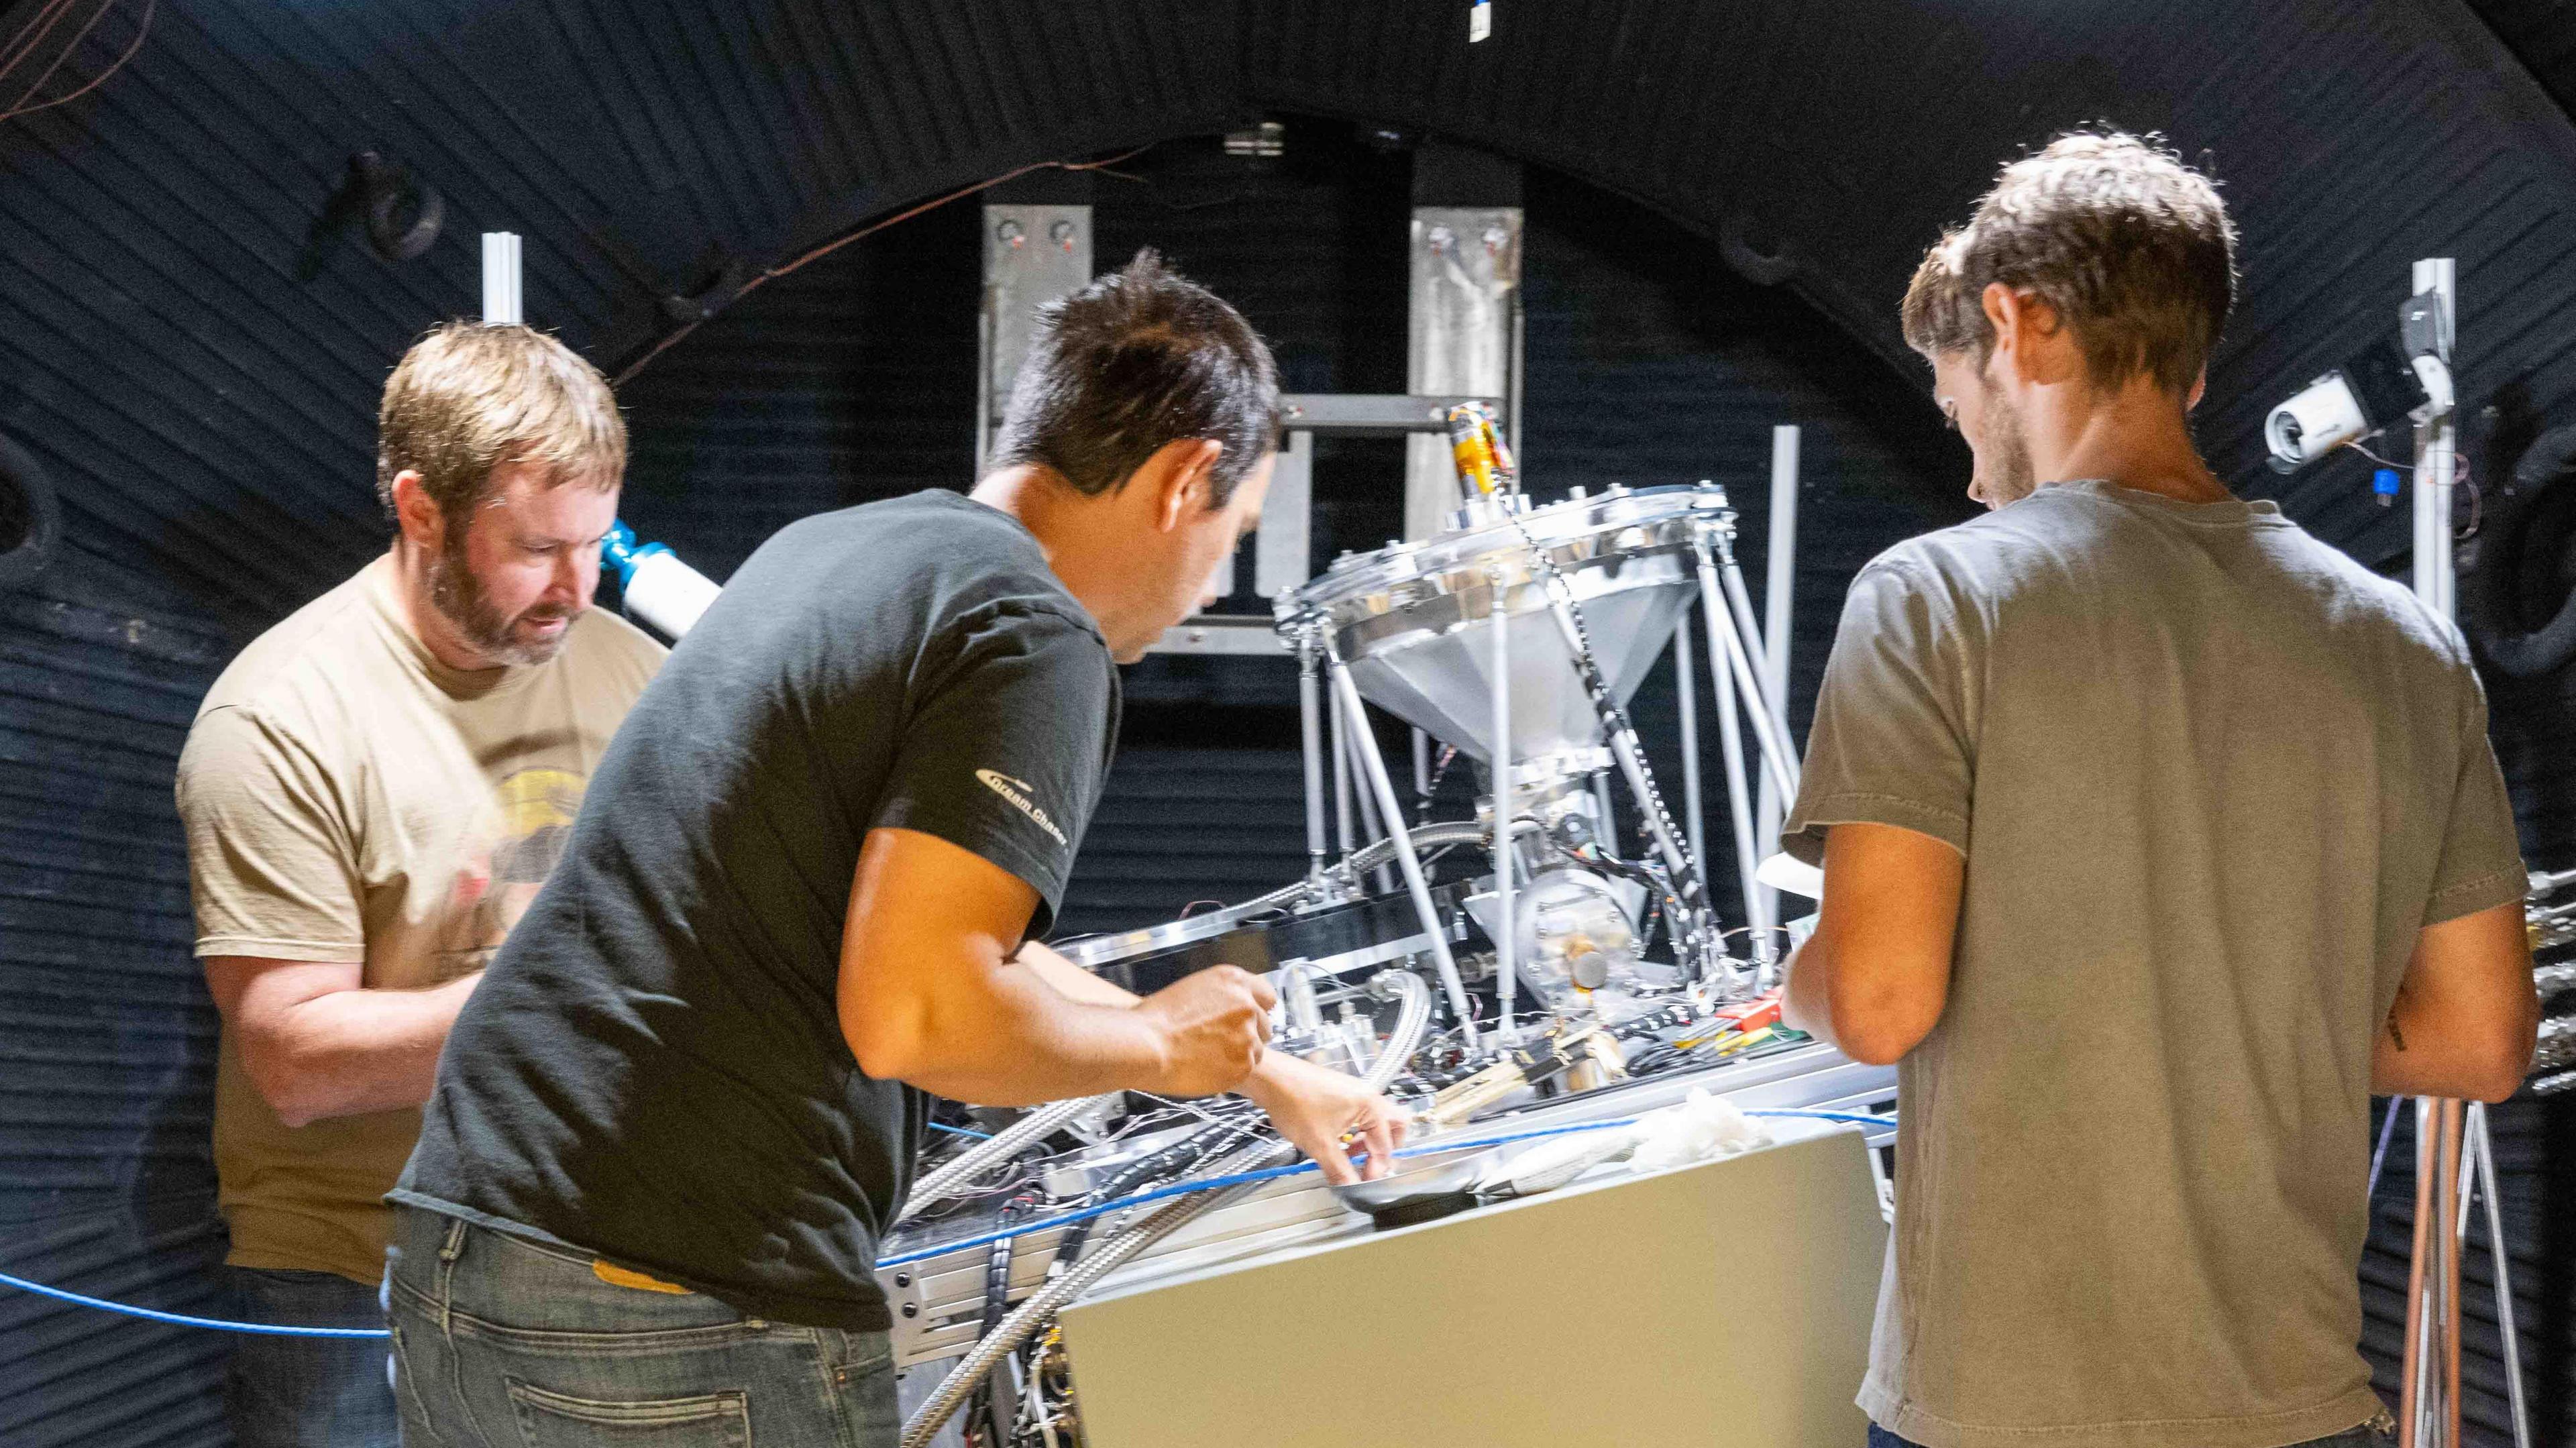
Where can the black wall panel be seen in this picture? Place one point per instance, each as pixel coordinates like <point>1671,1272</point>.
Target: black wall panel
<point>194,354</point>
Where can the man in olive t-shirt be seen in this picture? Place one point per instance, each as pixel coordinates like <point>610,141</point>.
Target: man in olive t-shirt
<point>2156,835</point>
<point>372,793</point>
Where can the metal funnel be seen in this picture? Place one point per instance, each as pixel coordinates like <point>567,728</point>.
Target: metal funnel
<point>1441,681</point>
<point>1414,621</point>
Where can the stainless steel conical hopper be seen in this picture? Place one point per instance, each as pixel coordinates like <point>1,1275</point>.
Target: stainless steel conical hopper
<point>1414,621</point>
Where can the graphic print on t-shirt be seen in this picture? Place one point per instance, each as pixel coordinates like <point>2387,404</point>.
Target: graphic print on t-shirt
<point>511,846</point>
<point>1016,793</point>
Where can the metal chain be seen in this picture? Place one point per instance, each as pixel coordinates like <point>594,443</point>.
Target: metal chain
<point>1615,722</point>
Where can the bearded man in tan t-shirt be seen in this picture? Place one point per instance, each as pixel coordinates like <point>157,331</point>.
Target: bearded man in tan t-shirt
<point>372,793</point>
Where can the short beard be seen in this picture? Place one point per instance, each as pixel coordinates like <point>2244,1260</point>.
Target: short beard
<point>2009,476</point>
<point>459,598</point>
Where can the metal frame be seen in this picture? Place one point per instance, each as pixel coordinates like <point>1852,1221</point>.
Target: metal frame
<point>2454,1151</point>
<point>1283,546</point>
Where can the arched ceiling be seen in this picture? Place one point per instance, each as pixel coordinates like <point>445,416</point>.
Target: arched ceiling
<point>195,357</point>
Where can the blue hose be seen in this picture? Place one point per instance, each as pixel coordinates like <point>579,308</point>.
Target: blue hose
<point>1066,1219</point>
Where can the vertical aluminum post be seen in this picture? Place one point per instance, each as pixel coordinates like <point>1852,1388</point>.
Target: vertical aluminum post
<point>1373,766</point>
<point>1310,718</point>
<point>503,300</point>
<point>1686,690</point>
<point>1781,564</point>
<point>1506,797</point>
<point>2437,443</point>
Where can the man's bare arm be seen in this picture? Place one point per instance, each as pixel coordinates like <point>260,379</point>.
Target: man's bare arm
<point>1313,1106</point>
<point>317,1044</point>
<point>1874,977</point>
<point>2467,1014</point>
<point>932,991</point>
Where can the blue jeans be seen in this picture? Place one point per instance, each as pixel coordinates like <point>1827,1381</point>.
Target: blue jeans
<point>2365,1436</point>
<point>501,1342</point>
<point>307,1392</point>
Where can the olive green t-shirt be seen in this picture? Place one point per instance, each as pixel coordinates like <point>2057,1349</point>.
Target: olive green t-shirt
<point>2211,778</point>
<point>347,797</point>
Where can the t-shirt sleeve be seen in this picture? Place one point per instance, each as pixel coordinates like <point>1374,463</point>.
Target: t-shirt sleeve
<point>270,860</point>
<point>2481,864</point>
<point>1891,740</point>
<point>1002,753</point>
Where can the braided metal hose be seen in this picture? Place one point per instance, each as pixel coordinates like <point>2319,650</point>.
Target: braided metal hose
<point>1000,1147</point>
<point>1412,1023</point>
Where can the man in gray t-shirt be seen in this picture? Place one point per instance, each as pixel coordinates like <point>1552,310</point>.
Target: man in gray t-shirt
<point>2157,835</point>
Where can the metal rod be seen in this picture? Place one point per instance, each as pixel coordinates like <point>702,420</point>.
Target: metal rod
<point>1780,563</point>
<point>1761,698</point>
<point>1506,923</point>
<point>1723,625</point>
<point>1686,689</point>
<point>1374,767</point>
<point>1739,797</point>
<point>1310,716</point>
<point>2482,1146</point>
<point>2411,1384</point>
<point>1345,815</point>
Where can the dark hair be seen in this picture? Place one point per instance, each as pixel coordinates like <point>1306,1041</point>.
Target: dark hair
<point>2132,247</point>
<point>1139,359</point>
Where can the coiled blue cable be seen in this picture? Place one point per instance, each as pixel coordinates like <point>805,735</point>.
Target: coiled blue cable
<point>1066,1219</point>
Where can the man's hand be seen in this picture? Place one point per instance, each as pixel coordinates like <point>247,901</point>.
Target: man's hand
<point>1212,1025</point>
<point>1320,1109</point>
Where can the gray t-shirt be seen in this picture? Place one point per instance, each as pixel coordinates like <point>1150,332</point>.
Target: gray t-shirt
<point>2210,777</point>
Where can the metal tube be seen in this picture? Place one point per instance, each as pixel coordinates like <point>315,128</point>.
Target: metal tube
<point>1506,931</point>
<point>1344,818</point>
<point>1739,798</point>
<point>1000,1146</point>
<point>1374,767</point>
<point>1781,564</point>
<point>1686,689</point>
<point>1722,623</point>
<point>1310,717</point>
<point>1367,801</point>
<point>1760,698</point>
<point>2483,1147</point>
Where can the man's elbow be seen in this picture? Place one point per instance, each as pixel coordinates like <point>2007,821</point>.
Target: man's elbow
<point>298,1096</point>
<point>2507,1061</point>
<point>890,1043</point>
<point>1880,1033</point>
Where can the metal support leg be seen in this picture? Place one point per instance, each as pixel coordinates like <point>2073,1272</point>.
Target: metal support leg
<point>1763,698</point>
<point>1686,690</point>
<point>1776,758</point>
<point>1345,814</point>
<point>1739,801</point>
<point>1506,922</point>
<point>2503,1280</point>
<point>1310,717</point>
<point>2477,1177</point>
<point>1373,766</point>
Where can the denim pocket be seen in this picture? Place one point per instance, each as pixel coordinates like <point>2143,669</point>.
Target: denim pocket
<point>558,1420</point>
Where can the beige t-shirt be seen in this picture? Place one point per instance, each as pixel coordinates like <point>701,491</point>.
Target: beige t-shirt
<point>349,797</point>
<point>2211,778</point>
